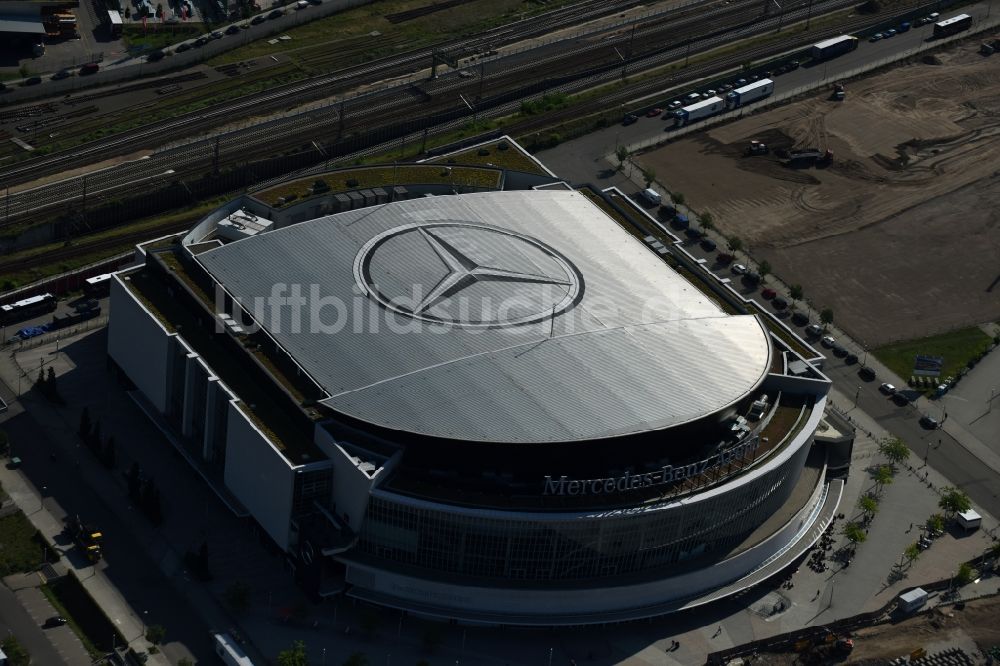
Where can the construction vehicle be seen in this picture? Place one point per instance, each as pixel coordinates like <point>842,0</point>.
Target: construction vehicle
<point>87,538</point>
<point>838,92</point>
<point>757,148</point>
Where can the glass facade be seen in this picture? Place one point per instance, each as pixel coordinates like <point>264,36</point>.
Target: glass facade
<point>615,543</point>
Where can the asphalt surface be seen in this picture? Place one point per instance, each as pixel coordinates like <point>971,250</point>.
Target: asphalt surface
<point>15,620</point>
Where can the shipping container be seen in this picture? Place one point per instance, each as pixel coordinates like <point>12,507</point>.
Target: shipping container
<point>833,47</point>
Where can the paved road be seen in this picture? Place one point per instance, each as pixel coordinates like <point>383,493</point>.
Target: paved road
<point>17,621</point>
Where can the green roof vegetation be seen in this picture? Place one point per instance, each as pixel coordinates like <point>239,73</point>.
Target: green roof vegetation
<point>384,176</point>
<point>501,153</point>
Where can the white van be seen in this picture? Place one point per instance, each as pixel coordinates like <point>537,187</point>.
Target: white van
<point>652,196</point>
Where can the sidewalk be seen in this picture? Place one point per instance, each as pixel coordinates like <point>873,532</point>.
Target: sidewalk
<point>40,513</point>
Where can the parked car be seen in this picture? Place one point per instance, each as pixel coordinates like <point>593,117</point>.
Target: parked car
<point>153,56</point>
<point>866,373</point>
<point>839,351</point>
<point>929,422</point>
<point>692,232</point>
<point>708,244</point>
<point>674,105</point>
<point>739,269</point>
<point>887,388</point>
<point>752,278</point>
<point>904,26</point>
<point>629,119</point>
<point>779,303</point>
<point>61,74</point>
<point>800,318</point>
<point>32,81</point>
<point>828,340</point>
<point>815,330</point>
<point>54,621</point>
<point>724,258</point>
<point>257,20</point>
<point>891,32</point>
<point>316,2</point>
<point>768,294</point>
<point>233,29</point>
<point>874,38</point>
<point>89,68</point>
<point>851,359</point>
<point>201,41</point>
<point>900,399</point>
<point>277,13</point>
<point>182,47</point>
<point>216,34</point>
<point>654,112</point>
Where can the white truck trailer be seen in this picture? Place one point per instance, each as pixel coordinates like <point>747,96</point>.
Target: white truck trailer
<point>698,110</point>
<point>751,92</point>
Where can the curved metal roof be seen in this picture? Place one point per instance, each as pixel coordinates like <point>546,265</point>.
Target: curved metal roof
<point>525,316</point>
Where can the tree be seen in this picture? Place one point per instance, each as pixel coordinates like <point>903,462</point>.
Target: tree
<point>370,621</point>
<point>677,198</point>
<point>868,504</point>
<point>40,380</point>
<point>621,154</point>
<point>356,659</point>
<point>911,553</point>
<point>954,500</point>
<point>128,11</point>
<point>648,176</point>
<point>432,637</point>
<point>826,317</point>
<point>94,443</point>
<point>966,574</point>
<point>16,654</point>
<point>795,292</point>
<point>706,220</point>
<point>294,656</point>
<point>855,533</point>
<point>108,453</point>
<point>764,269</point>
<point>155,633</point>
<point>134,478</point>
<point>935,523</point>
<point>883,477</point>
<point>184,661</point>
<point>734,243</point>
<point>159,10</point>
<point>85,424</point>
<point>237,596</point>
<point>894,449</point>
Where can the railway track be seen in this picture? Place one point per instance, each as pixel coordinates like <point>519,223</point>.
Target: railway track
<point>440,104</point>
<point>319,86</point>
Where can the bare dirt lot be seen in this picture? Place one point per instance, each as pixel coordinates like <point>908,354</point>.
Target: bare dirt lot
<point>972,630</point>
<point>900,234</point>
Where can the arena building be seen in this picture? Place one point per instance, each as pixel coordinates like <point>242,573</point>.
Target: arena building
<point>491,406</point>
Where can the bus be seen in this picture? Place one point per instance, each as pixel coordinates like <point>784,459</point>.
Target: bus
<point>27,308</point>
<point>114,23</point>
<point>99,285</point>
<point>952,25</point>
<point>229,651</point>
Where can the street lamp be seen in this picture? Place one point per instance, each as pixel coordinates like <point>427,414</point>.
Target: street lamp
<point>857,396</point>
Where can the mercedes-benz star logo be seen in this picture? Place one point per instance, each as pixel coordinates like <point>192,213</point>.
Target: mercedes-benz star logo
<point>425,270</point>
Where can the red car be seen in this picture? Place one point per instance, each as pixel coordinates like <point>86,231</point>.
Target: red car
<point>724,258</point>
<point>89,68</point>
<point>768,294</point>
<point>654,113</point>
